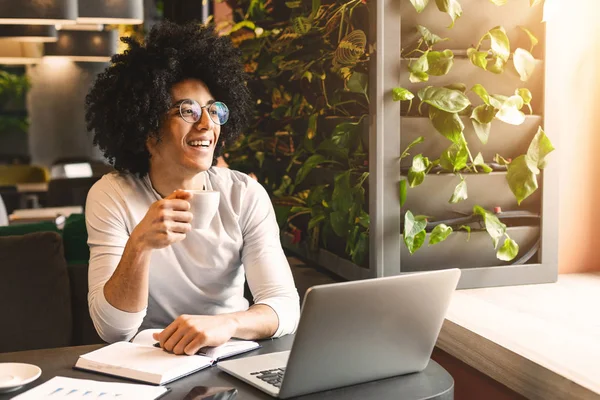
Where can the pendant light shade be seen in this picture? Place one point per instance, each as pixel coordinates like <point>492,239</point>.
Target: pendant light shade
<point>13,52</point>
<point>83,45</point>
<point>38,12</point>
<point>28,33</point>
<point>130,12</point>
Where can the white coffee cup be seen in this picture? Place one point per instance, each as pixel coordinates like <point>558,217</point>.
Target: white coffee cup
<point>204,205</point>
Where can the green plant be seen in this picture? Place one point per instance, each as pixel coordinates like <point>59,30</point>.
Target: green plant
<point>13,87</point>
<point>445,106</point>
<point>307,65</point>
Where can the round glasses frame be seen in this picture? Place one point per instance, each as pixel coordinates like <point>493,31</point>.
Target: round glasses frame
<point>212,109</point>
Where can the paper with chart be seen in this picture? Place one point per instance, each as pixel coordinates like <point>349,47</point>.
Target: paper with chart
<point>73,389</point>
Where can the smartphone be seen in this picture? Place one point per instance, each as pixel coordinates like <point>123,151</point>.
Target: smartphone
<point>211,393</point>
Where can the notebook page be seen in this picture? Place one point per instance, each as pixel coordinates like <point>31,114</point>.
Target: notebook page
<point>60,386</point>
<point>145,337</point>
<point>143,358</point>
<point>232,347</point>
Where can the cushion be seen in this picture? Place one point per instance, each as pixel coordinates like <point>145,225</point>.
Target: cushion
<point>35,297</point>
<point>21,229</point>
<point>75,240</point>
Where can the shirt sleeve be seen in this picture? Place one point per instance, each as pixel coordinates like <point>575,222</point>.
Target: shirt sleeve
<point>107,237</point>
<point>267,269</point>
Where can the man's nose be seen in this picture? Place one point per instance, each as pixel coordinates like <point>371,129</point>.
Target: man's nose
<point>204,122</point>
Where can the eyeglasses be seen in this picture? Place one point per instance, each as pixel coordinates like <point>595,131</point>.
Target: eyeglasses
<point>191,112</point>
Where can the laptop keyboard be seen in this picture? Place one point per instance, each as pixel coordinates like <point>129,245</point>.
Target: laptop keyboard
<point>272,376</point>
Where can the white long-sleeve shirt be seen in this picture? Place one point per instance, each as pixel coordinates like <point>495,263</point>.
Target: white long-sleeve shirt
<point>203,274</point>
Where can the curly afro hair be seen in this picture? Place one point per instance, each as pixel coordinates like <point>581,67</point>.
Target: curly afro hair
<point>130,98</point>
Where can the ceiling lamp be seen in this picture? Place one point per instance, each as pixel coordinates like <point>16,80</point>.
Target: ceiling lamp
<point>13,52</point>
<point>128,12</point>
<point>28,33</point>
<point>83,45</point>
<point>38,12</point>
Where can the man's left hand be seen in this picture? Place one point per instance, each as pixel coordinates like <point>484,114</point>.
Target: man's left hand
<point>189,333</point>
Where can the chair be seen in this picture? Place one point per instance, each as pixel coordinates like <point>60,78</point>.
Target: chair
<point>14,174</point>
<point>69,192</point>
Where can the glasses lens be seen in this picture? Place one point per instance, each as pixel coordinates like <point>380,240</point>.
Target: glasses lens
<point>190,111</point>
<point>219,113</point>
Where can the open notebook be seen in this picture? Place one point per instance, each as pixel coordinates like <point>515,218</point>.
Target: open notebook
<point>140,360</point>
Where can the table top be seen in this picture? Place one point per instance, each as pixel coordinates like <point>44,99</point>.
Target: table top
<point>542,341</point>
<point>432,383</point>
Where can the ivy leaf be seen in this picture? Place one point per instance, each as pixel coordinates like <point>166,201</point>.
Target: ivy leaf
<point>482,117</point>
<point>508,251</point>
<point>499,42</point>
<point>480,91</point>
<point>525,94</point>
<point>444,99</point>
<point>358,82</point>
<point>418,69</point>
<point>429,37</point>
<point>345,134</point>
<point>448,124</point>
<point>493,226</point>
<point>401,94</point>
<point>479,162</point>
<point>521,177</point>
<point>478,58</point>
<point>440,62</point>
<point>497,65</point>
<point>403,190</point>
<point>419,5</point>
<point>510,111</point>
<point>498,159</point>
<point>532,38</point>
<point>452,7</point>
<point>415,142</point>
<point>524,63</point>
<point>539,148</point>
<point>460,192</point>
<point>455,157</point>
<point>499,2</point>
<point>414,231</point>
<point>416,173</point>
<point>497,100</point>
<point>457,86</point>
<point>439,234</point>
<point>310,163</point>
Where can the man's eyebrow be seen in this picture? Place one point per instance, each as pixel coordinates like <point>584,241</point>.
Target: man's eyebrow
<point>178,102</point>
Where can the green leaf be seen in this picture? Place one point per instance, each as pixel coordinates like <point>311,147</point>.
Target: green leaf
<point>401,94</point>
<point>480,91</point>
<point>286,183</point>
<point>440,62</point>
<point>499,42</point>
<point>455,157</point>
<point>521,177</point>
<point>403,190</point>
<point>314,221</point>
<point>359,252</point>
<point>479,162</point>
<point>452,7</point>
<point>260,156</point>
<point>311,131</point>
<point>478,58</point>
<point>539,148</point>
<point>293,4</point>
<point>448,124</point>
<point>418,69</point>
<point>444,99</point>
<point>301,25</point>
<point>339,222</point>
<point>243,24</point>
<point>493,226</point>
<point>439,234</point>
<point>419,5</point>
<point>482,117</point>
<point>358,82</point>
<point>524,63</point>
<point>498,159</point>
<point>499,2</point>
<point>468,229</point>
<point>345,134</point>
<point>342,196</point>
<point>510,111</point>
<point>525,94</point>
<point>532,38</point>
<point>281,214</point>
<point>508,251</point>
<point>364,219</point>
<point>497,65</point>
<point>429,37</point>
<point>414,231</point>
<point>412,144</point>
<point>416,173</point>
<point>310,163</point>
<point>533,3</point>
<point>457,86</point>
<point>460,192</point>
<point>497,100</point>
<point>316,4</point>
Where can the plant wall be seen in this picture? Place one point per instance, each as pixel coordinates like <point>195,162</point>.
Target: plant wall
<point>307,143</point>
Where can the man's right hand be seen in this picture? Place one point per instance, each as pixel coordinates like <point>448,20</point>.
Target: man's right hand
<point>166,222</point>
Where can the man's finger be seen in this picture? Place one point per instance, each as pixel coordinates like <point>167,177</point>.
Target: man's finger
<point>175,204</point>
<point>184,341</point>
<point>166,333</point>
<point>179,194</point>
<point>175,338</point>
<point>195,345</point>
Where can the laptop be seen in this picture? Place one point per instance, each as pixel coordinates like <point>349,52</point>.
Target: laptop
<point>355,332</point>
